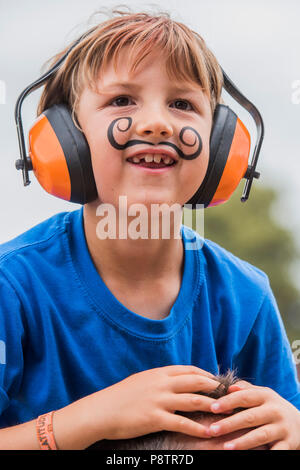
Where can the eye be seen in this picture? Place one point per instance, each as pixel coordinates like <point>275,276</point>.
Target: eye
<point>186,103</point>
<point>124,98</point>
<point>120,99</point>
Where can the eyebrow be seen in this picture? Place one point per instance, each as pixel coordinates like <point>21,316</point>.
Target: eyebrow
<point>135,86</point>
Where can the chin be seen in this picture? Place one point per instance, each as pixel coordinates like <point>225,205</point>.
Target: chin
<point>149,199</point>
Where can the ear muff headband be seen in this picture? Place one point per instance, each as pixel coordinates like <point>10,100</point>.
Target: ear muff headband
<point>253,111</point>
<point>67,172</point>
<point>24,162</point>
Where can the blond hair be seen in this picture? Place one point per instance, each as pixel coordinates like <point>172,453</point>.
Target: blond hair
<point>187,56</point>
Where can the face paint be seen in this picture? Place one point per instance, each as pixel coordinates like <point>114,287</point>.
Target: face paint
<point>130,143</point>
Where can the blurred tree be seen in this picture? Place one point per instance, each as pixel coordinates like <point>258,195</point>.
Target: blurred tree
<point>251,232</point>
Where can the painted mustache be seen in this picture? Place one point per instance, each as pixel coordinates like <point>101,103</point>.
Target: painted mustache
<point>130,143</point>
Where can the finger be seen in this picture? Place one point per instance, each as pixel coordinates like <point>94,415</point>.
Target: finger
<point>255,438</point>
<point>242,420</point>
<point>193,383</point>
<point>234,388</point>
<point>280,445</point>
<point>181,370</point>
<point>177,423</point>
<point>244,384</point>
<point>239,399</point>
<point>240,385</point>
<point>189,402</point>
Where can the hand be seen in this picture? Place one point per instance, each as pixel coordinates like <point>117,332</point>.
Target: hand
<point>278,420</point>
<point>145,402</point>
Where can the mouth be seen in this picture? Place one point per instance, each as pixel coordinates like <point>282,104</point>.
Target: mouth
<point>153,161</point>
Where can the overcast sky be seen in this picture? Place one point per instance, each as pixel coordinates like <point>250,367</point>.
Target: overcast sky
<point>256,42</point>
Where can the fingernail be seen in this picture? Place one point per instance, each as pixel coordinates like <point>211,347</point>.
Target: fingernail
<point>229,446</point>
<point>214,428</point>
<point>215,407</point>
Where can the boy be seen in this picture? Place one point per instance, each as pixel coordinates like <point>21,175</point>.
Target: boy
<point>115,334</point>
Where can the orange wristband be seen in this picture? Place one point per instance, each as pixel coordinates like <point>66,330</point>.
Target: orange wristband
<point>44,430</point>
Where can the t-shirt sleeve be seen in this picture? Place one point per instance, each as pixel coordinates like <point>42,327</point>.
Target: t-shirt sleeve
<point>11,339</point>
<point>266,358</point>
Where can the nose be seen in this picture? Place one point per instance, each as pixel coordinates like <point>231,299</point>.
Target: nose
<point>154,124</point>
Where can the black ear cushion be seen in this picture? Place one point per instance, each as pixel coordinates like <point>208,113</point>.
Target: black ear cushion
<point>76,151</point>
<point>221,137</point>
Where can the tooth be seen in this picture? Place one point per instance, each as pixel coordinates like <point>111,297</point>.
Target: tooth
<point>136,160</point>
<point>148,158</point>
<point>167,160</point>
<point>157,158</point>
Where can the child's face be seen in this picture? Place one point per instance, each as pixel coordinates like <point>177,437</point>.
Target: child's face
<point>151,113</point>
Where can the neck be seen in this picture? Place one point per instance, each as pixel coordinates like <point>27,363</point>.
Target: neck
<point>131,260</point>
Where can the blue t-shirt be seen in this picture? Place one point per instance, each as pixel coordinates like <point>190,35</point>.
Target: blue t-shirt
<point>66,335</point>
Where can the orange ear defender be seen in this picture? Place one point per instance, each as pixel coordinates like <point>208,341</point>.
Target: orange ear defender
<point>60,156</point>
<point>228,158</point>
